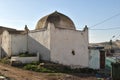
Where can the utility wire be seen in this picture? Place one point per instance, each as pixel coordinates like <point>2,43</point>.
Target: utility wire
<point>113,28</point>
<point>105,20</point>
<point>117,37</point>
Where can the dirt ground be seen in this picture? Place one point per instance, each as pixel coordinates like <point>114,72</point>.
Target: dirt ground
<point>20,74</point>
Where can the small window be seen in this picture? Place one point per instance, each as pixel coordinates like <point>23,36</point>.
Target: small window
<point>73,52</point>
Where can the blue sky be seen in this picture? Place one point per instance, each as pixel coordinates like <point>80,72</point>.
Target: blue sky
<point>17,13</point>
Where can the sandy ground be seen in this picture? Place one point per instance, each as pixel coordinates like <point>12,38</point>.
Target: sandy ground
<point>20,74</point>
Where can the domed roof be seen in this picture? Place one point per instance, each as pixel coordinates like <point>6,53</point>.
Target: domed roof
<point>58,19</point>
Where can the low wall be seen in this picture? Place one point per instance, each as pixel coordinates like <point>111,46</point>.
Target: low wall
<point>94,59</point>
<point>108,62</point>
<point>25,59</point>
<point>115,71</point>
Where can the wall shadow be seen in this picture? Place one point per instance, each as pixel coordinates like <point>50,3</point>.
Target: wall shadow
<point>3,53</point>
<point>35,46</point>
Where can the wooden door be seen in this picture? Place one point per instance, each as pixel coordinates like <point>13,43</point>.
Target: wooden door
<point>102,59</point>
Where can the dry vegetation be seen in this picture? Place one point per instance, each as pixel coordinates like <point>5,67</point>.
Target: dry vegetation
<point>20,74</point>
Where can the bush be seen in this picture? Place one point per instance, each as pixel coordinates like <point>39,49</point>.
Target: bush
<point>56,68</point>
<point>5,60</point>
<point>26,54</point>
<point>17,64</point>
<point>85,70</point>
<point>35,67</point>
<point>30,67</point>
<point>34,63</point>
<point>42,69</point>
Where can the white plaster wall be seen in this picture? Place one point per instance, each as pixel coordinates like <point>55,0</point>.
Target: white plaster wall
<point>94,60</point>
<point>18,43</point>
<point>64,41</point>
<point>39,41</point>
<point>0,44</point>
<point>0,39</point>
<point>0,52</point>
<point>6,50</point>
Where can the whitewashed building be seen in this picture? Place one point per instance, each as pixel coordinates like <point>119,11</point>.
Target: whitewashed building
<point>55,38</point>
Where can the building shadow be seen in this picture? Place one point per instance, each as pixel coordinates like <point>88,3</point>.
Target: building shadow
<point>34,46</point>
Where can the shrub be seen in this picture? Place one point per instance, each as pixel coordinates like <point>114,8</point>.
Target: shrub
<point>34,67</point>
<point>26,54</point>
<point>34,63</point>
<point>5,60</point>
<point>30,67</point>
<point>56,68</point>
<point>42,69</point>
<point>17,64</point>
